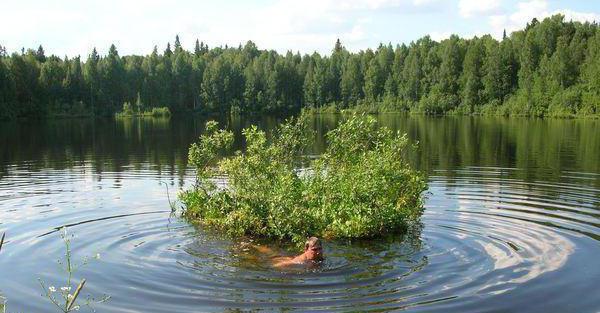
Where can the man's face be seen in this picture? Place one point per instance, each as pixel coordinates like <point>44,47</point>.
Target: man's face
<point>314,252</point>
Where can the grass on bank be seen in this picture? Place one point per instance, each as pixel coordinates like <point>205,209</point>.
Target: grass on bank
<point>131,111</point>
<point>571,103</point>
<point>362,186</point>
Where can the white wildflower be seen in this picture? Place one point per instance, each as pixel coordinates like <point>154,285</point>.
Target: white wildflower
<point>98,256</point>
<point>76,308</point>
<point>65,288</point>
<point>52,289</point>
<point>69,296</point>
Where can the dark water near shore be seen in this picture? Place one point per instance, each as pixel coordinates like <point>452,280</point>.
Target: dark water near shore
<point>512,222</point>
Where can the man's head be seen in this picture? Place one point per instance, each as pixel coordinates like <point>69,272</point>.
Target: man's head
<point>313,249</point>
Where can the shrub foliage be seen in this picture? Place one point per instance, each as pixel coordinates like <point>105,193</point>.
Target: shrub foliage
<point>362,186</point>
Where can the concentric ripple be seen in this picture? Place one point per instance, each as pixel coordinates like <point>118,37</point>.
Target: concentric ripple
<point>488,242</point>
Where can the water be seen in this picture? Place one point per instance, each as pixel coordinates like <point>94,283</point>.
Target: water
<point>512,222</point>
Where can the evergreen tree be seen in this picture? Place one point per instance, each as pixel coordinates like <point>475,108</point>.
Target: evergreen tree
<point>182,81</point>
<point>471,80</point>
<point>112,75</point>
<point>7,92</point>
<point>351,81</point>
<point>51,77</point>
<point>73,83</point>
<point>92,78</point>
<point>40,54</point>
<point>168,53</point>
<point>374,80</point>
<point>197,49</point>
<point>178,48</point>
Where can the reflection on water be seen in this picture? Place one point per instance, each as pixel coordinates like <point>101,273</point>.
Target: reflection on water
<point>512,222</point>
<point>535,149</point>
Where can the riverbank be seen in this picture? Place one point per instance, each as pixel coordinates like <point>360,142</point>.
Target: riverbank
<point>506,110</point>
<point>484,111</point>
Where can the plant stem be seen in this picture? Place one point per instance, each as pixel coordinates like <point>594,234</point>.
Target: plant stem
<point>72,301</point>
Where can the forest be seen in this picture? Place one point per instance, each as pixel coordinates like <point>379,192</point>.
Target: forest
<point>549,68</point>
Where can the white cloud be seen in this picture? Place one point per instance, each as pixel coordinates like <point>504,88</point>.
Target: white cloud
<point>306,25</point>
<point>424,2</point>
<point>528,10</point>
<point>468,8</point>
<point>439,36</point>
<point>578,16</point>
<point>75,27</point>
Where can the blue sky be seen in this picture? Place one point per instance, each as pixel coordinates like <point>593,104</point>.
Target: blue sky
<point>68,27</point>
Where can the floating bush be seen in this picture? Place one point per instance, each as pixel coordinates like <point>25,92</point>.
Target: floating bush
<point>155,112</point>
<point>360,187</point>
<point>163,111</point>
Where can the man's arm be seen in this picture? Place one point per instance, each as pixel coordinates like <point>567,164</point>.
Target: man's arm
<point>259,248</point>
<point>283,262</point>
<point>263,249</point>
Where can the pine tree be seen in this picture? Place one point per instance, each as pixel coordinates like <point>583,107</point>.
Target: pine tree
<point>112,79</point>
<point>178,48</point>
<point>168,53</point>
<point>197,49</point>
<point>40,54</point>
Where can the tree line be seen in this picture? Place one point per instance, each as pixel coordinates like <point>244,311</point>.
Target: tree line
<point>549,68</point>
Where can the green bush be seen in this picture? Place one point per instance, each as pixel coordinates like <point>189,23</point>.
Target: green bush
<point>364,107</point>
<point>330,108</point>
<point>436,103</point>
<point>565,103</point>
<point>162,111</point>
<point>235,110</point>
<point>127,108</point>
<point>360,187</point>
<point>155,112</point>
<point>590,104</point>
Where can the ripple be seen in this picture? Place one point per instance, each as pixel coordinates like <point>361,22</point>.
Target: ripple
<point>488,241</point>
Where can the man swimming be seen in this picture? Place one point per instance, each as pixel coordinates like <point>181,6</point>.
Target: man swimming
<point>313,253</point>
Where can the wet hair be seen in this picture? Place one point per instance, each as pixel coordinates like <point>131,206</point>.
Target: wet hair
<point>312,242</point>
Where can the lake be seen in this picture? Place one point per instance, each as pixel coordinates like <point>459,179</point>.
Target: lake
<point>512,222</point>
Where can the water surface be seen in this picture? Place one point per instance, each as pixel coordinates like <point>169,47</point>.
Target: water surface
<point>512,222</point>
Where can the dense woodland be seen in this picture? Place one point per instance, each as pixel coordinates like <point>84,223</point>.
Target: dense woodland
<point>550,68</point>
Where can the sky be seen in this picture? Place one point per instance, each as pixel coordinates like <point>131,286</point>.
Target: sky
<point>75,27</point>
